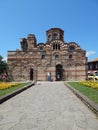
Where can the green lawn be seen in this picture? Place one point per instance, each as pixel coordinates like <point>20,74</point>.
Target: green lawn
<point>91,93</point>
<point>9,90</point>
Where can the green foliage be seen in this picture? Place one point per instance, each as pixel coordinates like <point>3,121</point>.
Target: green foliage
<point>3,66</point>
<point>91,93</point>
<point>12,89</point>
<point>1,58</point>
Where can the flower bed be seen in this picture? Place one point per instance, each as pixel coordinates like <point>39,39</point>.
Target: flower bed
<point>5,85</point>
<point>9,87</point>
<point>92,84</point>
<point>88,88</point>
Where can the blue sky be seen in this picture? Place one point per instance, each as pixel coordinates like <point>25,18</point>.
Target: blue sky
<point>78,19</point>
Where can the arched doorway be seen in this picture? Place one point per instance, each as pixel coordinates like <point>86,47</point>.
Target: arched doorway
<point>31,74</point>
<point>59,72</point>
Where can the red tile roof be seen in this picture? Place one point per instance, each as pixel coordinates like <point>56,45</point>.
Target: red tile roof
<point>94,60</point>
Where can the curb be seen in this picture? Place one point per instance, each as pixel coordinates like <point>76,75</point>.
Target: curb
<point>8,96</point>
<point>90,104</point>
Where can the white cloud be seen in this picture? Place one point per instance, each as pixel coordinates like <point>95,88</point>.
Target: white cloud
<point>89,53</point>
<point>5,59</point>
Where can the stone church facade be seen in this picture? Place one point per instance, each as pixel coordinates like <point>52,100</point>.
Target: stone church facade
<point>33,61</point>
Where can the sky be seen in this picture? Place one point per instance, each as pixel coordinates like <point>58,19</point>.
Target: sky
<point>78,19</point>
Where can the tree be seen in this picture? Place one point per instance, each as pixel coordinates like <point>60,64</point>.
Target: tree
<point>3,66</point>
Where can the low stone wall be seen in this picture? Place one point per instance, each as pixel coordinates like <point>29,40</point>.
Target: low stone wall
<point>90,104</point>
<point>8,96</point>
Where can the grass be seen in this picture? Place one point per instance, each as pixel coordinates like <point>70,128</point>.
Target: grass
<point>12,89</point>
<point>91,93</point>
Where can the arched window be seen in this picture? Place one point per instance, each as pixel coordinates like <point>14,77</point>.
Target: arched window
<point>72,48</point>
<point>53,46</point>
<point>61,37</point>
<point>56,46</point>
<point>49,37</point>
<point>70,56</point>
<point>55,36</point>
<point>41,48</point>
<point>43,57</point>
<point>56,56</point>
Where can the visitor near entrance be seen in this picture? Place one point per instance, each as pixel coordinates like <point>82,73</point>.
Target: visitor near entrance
<point>49,76</point>
<point>58,77</point>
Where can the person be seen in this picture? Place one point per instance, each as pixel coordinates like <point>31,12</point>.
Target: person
<point>49,76</point>
<point>58,76</point>
<point>4,76</point>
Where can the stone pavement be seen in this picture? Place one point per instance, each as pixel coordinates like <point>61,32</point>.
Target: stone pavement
<point>46,106</point>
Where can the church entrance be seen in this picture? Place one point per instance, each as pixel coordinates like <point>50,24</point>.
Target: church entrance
<point>59,72</point>
<point>31,74</point>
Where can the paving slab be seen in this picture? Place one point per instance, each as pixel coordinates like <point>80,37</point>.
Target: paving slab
<point>46,106</point>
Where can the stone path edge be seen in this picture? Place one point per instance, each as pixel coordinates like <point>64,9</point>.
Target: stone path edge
<point>90,104</point>
<point>8,96</point>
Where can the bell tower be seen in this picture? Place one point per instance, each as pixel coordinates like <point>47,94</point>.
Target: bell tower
<point>31,41</point>
<point>54,34</point>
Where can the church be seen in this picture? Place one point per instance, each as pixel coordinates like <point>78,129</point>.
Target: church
<point>34,61</point>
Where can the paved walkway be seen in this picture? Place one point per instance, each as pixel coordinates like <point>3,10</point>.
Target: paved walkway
<point>46,106</point>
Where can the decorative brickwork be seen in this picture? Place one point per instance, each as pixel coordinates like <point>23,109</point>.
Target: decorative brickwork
<point>65,61</point>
